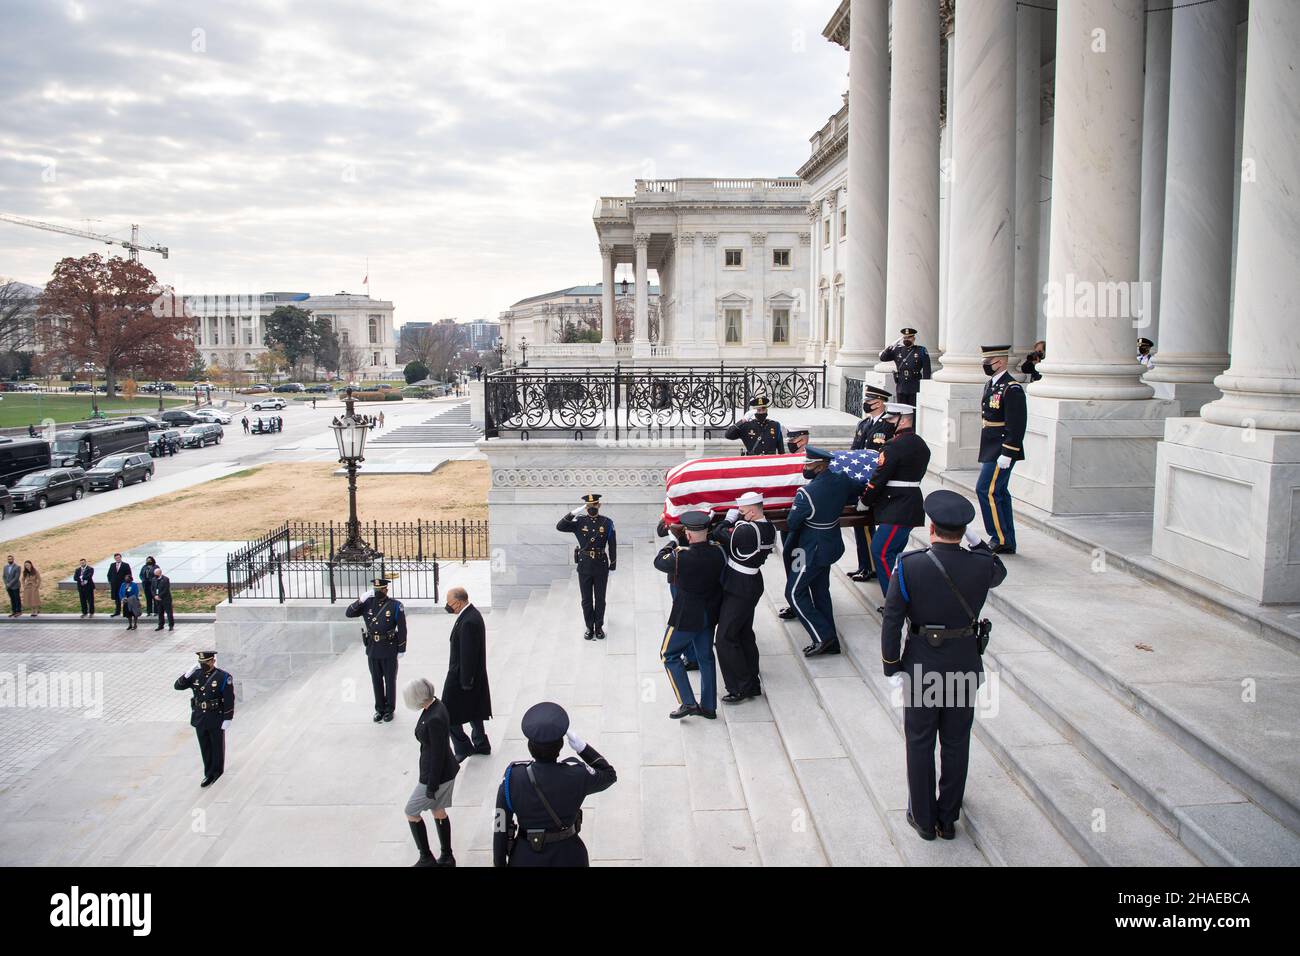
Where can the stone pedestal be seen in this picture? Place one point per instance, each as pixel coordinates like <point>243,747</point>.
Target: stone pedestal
<point>949,421</point>
<point>1228,507</point>
<point>477,410</point>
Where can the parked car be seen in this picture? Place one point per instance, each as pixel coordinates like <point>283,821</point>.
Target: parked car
<point>290,387</point>
<point>165,442</point>
<point>320,388</point>
<point>213,416</point>
<point>41,489</point>
<point>6,503</point>
<point>178,418</point>
<point>255,390</point>
<point>269,404</point>
<point>79,387</point>
<point>27,387</point>
<point>155,424</point>
<point>196,436</point>
<point>115,471</point>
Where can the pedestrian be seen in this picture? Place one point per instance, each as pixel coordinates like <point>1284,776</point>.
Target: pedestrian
<point>385,642</point>
<point>147,583</point>
<point>117,572</point>
<point>130,596</point>
<point>596,556</point>
<point>162,599</point>
<point>31,588</point>
<point>747,538</point>
<point>212,708</point>
<point>698,572</point>
<point>815,543</point>
<point>84,576</point>
<point>244,422</point>
<point>438,769</point>
<point>313,404</point>
<point>894,492</point>
<point>939,592</point>
<point>465,691</point>
<point>31,431</point>
<point>13,584</point>
<point>539,803</point>
<point>381,419</point>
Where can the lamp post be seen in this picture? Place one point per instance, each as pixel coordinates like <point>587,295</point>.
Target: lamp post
<point>158,386</point>
<point>350,432</point>
<point>523,347</point>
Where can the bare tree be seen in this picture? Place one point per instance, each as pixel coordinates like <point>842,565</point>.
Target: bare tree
<point>574,321</point>
<point>352,359</point>
<point>18,303</point>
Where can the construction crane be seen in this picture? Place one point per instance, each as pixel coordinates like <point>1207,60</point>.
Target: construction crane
<point>132,244</point>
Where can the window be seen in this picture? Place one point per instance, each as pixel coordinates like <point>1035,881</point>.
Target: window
<point>732,317</point>
<point>735,258</point>
<point>375,360</point>
<point>826,318</point>
<point>844,223</point>
<point>343,336</point>
<point>374,329</point>
<point>780,326</point>
<point>826,232</point>
<point>781,258</point>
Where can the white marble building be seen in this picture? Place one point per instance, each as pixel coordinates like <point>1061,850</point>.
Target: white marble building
<point>534,322</point>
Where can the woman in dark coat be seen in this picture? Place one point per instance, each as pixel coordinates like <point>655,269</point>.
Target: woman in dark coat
<point>438,769</point>
<point>146,584</point>
<point>465,692</point>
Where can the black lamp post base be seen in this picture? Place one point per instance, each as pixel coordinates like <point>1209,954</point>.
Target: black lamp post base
<point>356,553</point>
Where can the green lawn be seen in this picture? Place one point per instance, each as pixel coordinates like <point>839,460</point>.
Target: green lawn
<point>18,409</point>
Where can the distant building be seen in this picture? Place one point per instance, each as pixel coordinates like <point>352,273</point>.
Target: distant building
<point>538,318</point>
<point>483,335</point>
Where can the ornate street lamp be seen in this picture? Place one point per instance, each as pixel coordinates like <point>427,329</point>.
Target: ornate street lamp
<point>350,432</point>
<point>523,347</point>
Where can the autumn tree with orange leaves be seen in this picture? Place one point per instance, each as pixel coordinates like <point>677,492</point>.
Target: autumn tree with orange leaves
<point>113,314</point>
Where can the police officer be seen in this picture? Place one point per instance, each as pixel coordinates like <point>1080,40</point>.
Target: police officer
<point>212,708</point>
<point>814,542</point>
<point>760,435</point>
<point>797,441</point>
<point>1003,416</point>
<point>911,365</point>
<point>894,491</point>
<point>873,431</point>
<point>939,591</point>
<point>747,538</point>
<point>385,642</point>
<point>1144,354</point>
<point>596,556</point>
<point>539,803</point>
<point>698,596</point>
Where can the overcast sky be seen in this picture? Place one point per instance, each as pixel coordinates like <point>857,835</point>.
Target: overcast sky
<point>461,146</point>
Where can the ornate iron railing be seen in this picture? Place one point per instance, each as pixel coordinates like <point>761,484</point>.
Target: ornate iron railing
<point>853,396</point>
<point>629,399</point>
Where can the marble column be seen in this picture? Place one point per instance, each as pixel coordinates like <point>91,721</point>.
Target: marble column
<point>1155,151</point>
<point>1029,110</point>
<point>687,334</point>
<point>607,294</point>
<point>816,337</point>
<point>1197,247</point>
<point>945,178</point>
<point>757,335</point>
<point>642,329</point>
<point>868,183</point>
<point>981,260</point>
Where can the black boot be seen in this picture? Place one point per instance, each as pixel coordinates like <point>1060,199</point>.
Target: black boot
<point>444,841</point>
<point>422,843</point>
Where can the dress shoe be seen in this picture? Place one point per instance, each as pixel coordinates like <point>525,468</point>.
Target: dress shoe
<point>589,634</point>
<point>426,859</point>
<point>692,665</point>
<point>922,833</point>
<point>735,698</point>
<point>158,628</point>
<point>787,614</point>
<point>1002,549</point>
<point>207,781</point>
<point>445,860</point>
<point>600,633</point>
<point>686,710</point>
<point>378,717</point>
<point>825,647</point>
<point>483,751</point>
<point>947,831</point>
<point>115,614</point>
<point>861,576</point>
<point>388,717</point>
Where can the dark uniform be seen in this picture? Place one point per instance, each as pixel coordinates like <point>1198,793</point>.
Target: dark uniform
<point>162,601</point>
<point>384,640</point>
<point>941,660</point>
<point>814,542</point>
<point>761,435</point>
<point>911,366</point>
<point>872,433</point>
<point>539,803</point>
<point>894,496</point>
<point>596,555</point>
<point>696,600</point>
<point>746,545</point>
<point>1003,415</point>
<point>211,707</point>
<point>797,441</point>
<point>85,578</point>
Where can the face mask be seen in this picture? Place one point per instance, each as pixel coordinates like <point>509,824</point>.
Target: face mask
<point>792,446</point>
<point>449,609</point>
<point>593,511</point>
<point>810,473</point>
<point>380,595</point>
<point>988,368</point>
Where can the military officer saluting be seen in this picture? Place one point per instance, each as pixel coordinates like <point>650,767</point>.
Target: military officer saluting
<point>760,434</point>
<point>385,642</point>
<point>938,592</point>
<point>874,430</point>
<point>894,491</point>
<point>212,708</point>
<point>814,542</point>
<point>596,555</point>
<point>539,803</point>
<point>911,365</point>
<point>1004,415</point>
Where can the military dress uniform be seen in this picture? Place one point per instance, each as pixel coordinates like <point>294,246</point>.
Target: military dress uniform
<point>796,442</point>
<point>911,367</point>
<point>894,495</point>
<point>596,555</point>
<point>1003,414</point>
<point>212,708</point>
<point>697,598</point>
<point>941,660</point>
<point>872,433</point>
<point>814,542</point>
<point>385,640</point>
<point>746,545</point>
<point>539,803</point>
<point>760,435</point>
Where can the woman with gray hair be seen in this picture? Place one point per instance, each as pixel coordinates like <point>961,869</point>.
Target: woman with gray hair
<point>438,769</point>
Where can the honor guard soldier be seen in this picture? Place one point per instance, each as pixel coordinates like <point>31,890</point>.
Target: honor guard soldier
<point>797,441</point>
<point>894,492</point>
<point>697,597</point>
<point>814,542</point>
<point>938,592</point>
<point>1003,416</point>
<point>596,555</point>
<point>1145,355</point>
<point>539,803</point>
<point>385,641</point>
<point>760,435</point>
<point>747,538</point>
<point>873,431</point>
<point>911,365</point>
<point>212,708</point>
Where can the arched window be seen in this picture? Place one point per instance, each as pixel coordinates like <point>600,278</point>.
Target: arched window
<point>374,329</point>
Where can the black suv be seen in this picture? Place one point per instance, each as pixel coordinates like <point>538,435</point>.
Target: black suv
<point>204,433</point>
<point>118,470</point>
<point>178,418</point>
<point>165,443</point>
<point>153,423</point>
<point>41,489</point>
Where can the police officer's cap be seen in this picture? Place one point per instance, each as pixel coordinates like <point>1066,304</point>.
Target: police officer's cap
<point>545,723</point>
<point>1147,342</point>
<point>749,498</point>
<point>591,499</point>
<point>949,508</point>
<point>380,582</point>
<point>695,520</point>
<point>817,454</point>
<point>995,351</point>
<point>206,655</point>
<point>760,401</point>
<point>908,331</point>
<point>877,392</point>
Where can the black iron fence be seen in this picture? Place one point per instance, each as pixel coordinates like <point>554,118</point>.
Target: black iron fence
<point>853,396</point>
<point>634,398</point>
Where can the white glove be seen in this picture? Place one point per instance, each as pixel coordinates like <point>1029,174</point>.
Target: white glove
<point>859,506</point>
<point>971,538</point>
<point>895,680</point>
<point>733,514</point>
<point>576,742</point>
<point>197,668</point>
<point>401,654</point>
<point>1004,462</point>
<point>225,725</point>
<point>578,510</point>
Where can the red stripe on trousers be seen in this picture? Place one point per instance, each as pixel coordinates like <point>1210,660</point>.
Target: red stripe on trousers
<point>884,548</point>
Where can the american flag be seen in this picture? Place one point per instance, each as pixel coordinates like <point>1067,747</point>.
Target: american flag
<point>714,484</point>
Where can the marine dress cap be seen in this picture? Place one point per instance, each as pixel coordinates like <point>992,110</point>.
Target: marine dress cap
<point>899,408</point>
<point>796,431</point>
<point>949,508</point>
<point>545,723</point>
